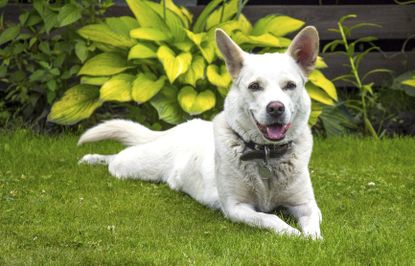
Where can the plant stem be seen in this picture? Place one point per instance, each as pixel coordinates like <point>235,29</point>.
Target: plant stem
<point>164,10</point>
<point>222,12</point>
<point>367,123</point>
<point>241,5</point>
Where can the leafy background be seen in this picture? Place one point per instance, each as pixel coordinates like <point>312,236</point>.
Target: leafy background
<point>164,59</point>
<point>68,62</point>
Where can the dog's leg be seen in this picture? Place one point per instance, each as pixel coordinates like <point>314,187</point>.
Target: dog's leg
<point>96,159</point>
<point>245,213</point>
<point>309,218</point>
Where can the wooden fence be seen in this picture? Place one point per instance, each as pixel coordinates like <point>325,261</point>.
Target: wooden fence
<point>397,25</point>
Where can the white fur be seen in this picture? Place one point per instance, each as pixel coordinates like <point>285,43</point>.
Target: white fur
<point>201,158</point>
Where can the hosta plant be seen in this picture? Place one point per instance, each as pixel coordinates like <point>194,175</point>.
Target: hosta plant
<point>405,82</point>
<point>164,59</point>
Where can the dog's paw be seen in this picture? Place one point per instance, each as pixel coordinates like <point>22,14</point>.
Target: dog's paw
<point>313,234</point>
<point>92,159</point>
<point>290,231</point>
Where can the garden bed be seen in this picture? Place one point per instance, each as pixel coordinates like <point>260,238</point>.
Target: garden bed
<point>53,211</point>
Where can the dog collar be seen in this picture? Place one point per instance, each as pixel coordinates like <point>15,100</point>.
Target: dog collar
<point>263,151</point>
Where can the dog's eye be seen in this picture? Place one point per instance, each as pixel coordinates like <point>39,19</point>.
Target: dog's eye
<point>290,86</point>
<point>254,86</point>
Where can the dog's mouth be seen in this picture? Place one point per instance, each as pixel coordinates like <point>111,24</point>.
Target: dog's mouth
<point>273,132</point>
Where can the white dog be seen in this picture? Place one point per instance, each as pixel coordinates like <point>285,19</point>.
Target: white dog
<point>252,158</point>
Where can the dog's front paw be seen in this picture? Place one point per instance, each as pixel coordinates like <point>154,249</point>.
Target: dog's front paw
<point>290,231</point>
<point>313,234</point>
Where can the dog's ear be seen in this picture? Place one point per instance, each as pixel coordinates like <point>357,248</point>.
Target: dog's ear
<point>231,52</point>
<point>304,48</point>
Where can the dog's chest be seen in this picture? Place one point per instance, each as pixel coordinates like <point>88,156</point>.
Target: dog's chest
<point>270,182</point>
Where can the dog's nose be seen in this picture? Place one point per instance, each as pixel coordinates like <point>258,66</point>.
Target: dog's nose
<point>275,109</point>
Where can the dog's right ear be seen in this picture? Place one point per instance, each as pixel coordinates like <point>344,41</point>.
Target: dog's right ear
<point>304,49</point>
<point>231,52</point>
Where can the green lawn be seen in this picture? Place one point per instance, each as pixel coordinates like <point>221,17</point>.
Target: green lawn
<point>53,211</point>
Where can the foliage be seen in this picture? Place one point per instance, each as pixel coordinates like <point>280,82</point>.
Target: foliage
<point>164,59</point>
<point>41,55</point>
<point>354,77</point>
<point>405,82</point>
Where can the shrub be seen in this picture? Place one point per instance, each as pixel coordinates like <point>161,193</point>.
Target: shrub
<point>39,55</point>
<point>162,59</point>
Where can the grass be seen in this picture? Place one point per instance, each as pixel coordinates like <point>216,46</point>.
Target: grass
<point>53,211</point>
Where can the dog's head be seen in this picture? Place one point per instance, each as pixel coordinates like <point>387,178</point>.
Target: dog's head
<point>268,101</point>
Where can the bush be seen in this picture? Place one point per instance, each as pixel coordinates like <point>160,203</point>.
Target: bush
<point>41,55</point>
<point>162,60</point>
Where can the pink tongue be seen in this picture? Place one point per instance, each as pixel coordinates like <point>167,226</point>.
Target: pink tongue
<point>276,132</point>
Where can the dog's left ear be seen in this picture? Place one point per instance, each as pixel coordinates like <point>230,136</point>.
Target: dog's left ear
<point>304,48</point>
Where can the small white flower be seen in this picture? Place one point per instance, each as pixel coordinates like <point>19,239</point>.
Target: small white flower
<point>371,184</point>
<point>111,228</point>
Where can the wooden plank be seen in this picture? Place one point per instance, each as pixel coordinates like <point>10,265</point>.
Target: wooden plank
<point>395,61</point>
<point>398,22</point>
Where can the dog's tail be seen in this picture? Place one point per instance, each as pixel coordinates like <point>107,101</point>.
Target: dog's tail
<point>124,131</point>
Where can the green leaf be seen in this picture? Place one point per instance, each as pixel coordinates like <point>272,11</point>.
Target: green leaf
<point>9,34</point>
<point>180,12</point>
<point>78,103</point>
<point>219,77</point>
<point>264,40</point>
<point>200,23</point>
<point>146,16</point>
<point>368,88</point>
<point>206,46</point>
<point>231,26</point>
<point>196,38</point>
<point>81,51</point>
<point>98,81</point>
<point>3,3</point>
<point>196,103</point>
<point>314,117</point>
<point>223,91</point>
<point>404,82</point>
<point>142,51</point>
<point>320,63</point>
<point>69,14</point>
<point>172,20</point>
<point>122,25</point>
<point>185,46</point>
<point>318,94</point>
<point>276,25</point>
<point>104,34</point>
<point>218,16</point>
<point>318,79</point>
<point>167,106</point>
<point>38,75</point>
<point>146,86</point>
<point>150,34</point>
<point>195,72</point>
<point>50,19</point>
<point>104,64</point>
<point>173,65</point>
<point>409,82</point>
<point>118,88</point>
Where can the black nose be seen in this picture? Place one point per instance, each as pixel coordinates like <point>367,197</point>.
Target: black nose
<point>275,109</point>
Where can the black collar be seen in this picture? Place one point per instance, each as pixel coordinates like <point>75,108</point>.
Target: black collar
<point>263,151</point>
